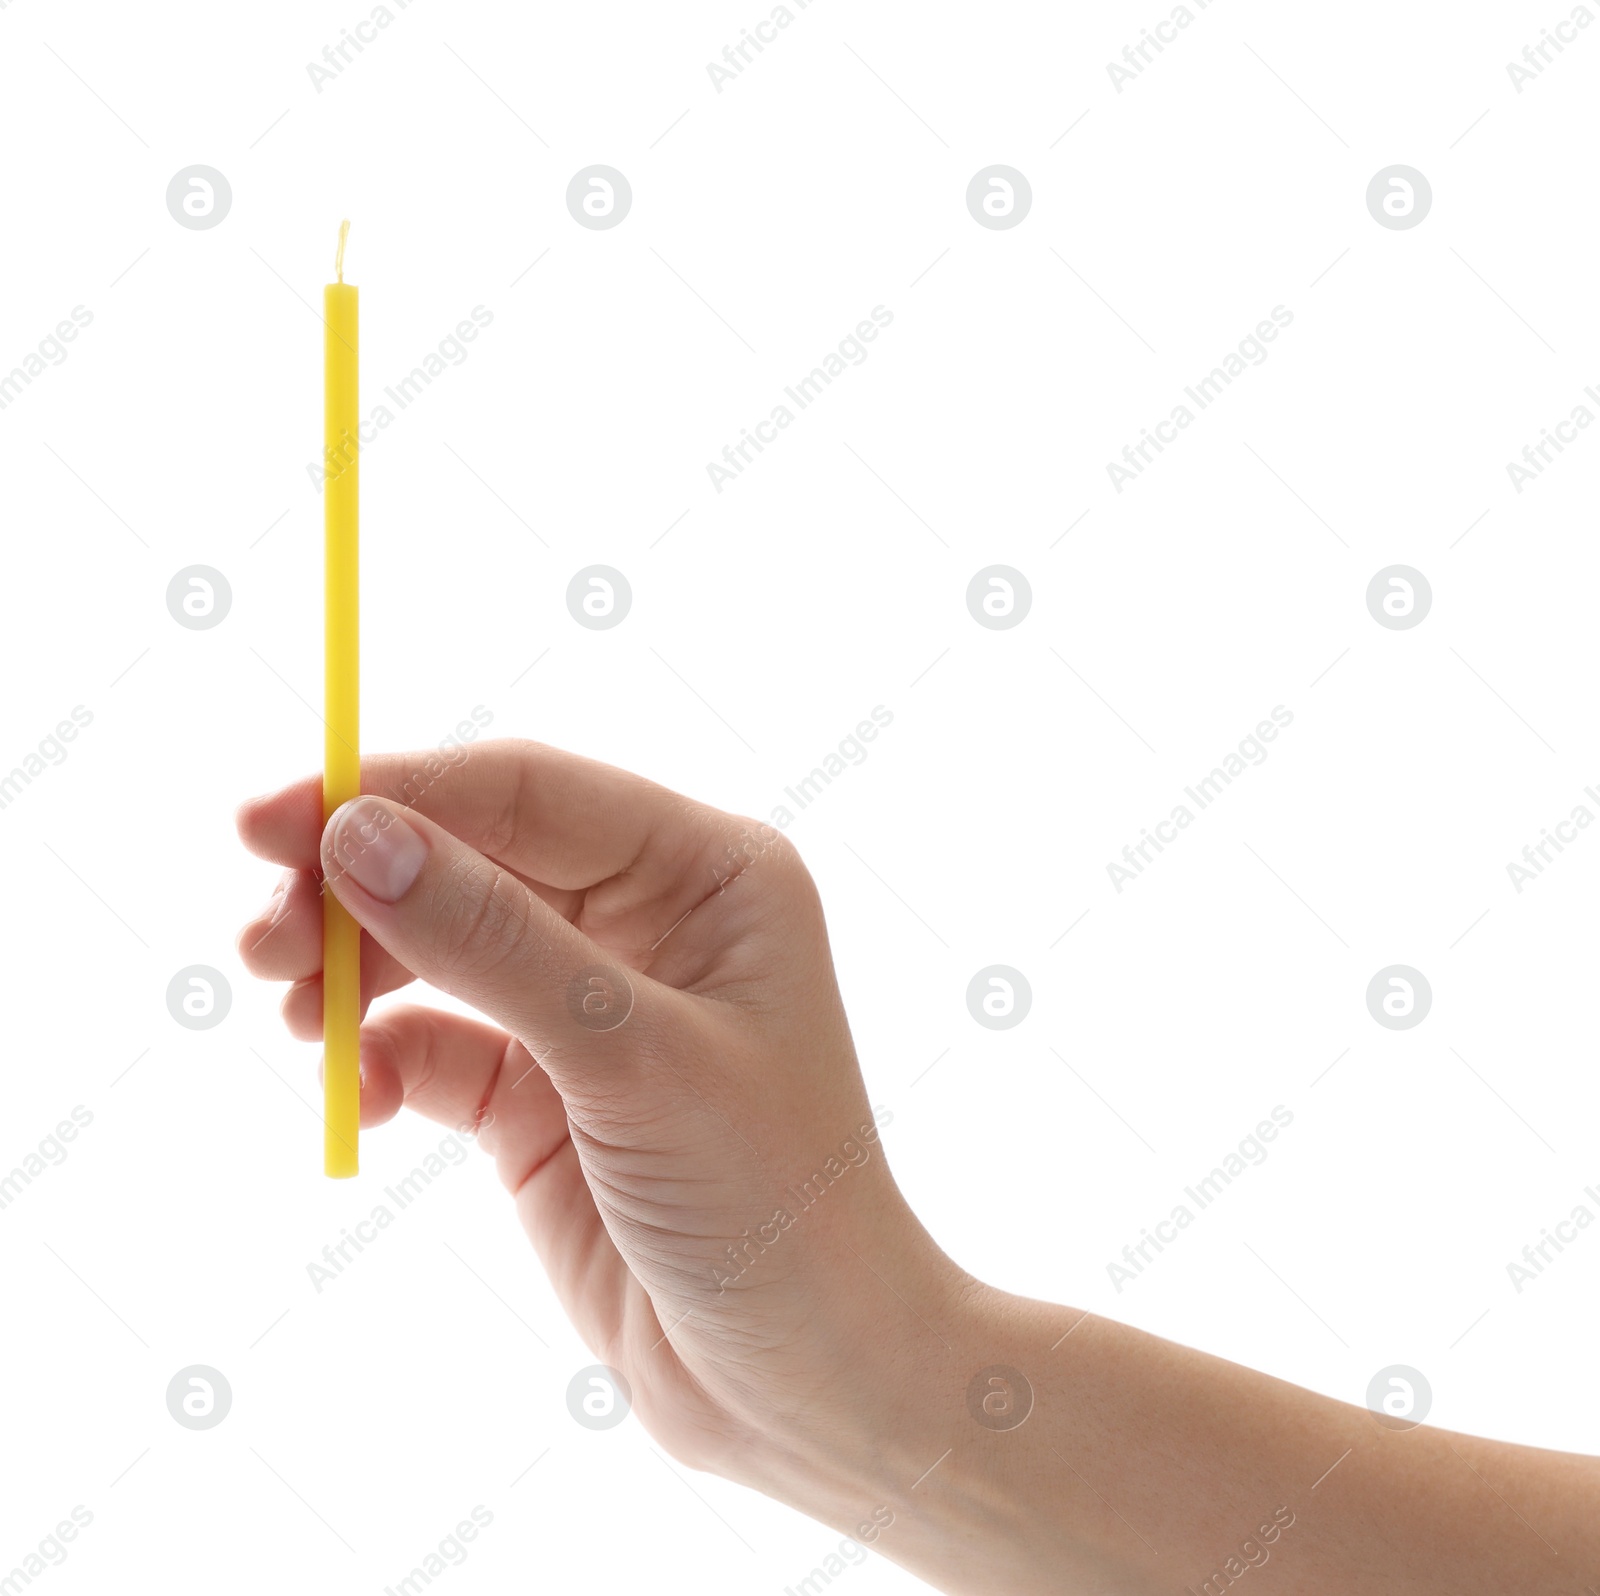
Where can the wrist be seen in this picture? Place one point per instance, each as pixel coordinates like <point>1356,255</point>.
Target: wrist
<point>924,1444</point>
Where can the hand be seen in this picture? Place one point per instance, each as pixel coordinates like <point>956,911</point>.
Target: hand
<point>669,1091</point>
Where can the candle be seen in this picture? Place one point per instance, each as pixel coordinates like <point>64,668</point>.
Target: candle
<point>341,773</point>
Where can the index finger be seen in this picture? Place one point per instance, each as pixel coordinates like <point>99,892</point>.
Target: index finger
<point>555,818</point>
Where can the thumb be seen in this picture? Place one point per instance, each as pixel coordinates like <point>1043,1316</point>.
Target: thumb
<point>471,928</point>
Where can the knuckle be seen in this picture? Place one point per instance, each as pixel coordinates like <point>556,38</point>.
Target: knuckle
<point>480,926</point>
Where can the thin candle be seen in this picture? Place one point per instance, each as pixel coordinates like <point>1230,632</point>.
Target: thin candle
<point>341,771</point>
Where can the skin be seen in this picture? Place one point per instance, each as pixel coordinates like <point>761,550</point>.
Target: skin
<point>688,1143</point>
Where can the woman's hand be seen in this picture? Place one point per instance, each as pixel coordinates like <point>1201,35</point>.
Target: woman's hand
<point>669,1089</point>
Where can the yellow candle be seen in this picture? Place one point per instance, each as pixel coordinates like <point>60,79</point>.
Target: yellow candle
<point>341,771</point>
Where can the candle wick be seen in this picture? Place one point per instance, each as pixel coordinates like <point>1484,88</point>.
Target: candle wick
<point>338,260</point>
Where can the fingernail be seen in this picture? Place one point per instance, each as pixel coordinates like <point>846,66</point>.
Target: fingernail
<point>378,849</point>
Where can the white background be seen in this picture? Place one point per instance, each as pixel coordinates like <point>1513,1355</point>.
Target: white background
<point>768,219</point>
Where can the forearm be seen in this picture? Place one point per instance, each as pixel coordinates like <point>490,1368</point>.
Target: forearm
<point>1122,1461</point>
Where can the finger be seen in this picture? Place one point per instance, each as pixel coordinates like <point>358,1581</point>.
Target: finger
<point>381,973</point>
<point>462,1072</point>
<point>284,942</point>
<point>624,858</point>
<point>451,1068</point>
<point>465,925</point>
